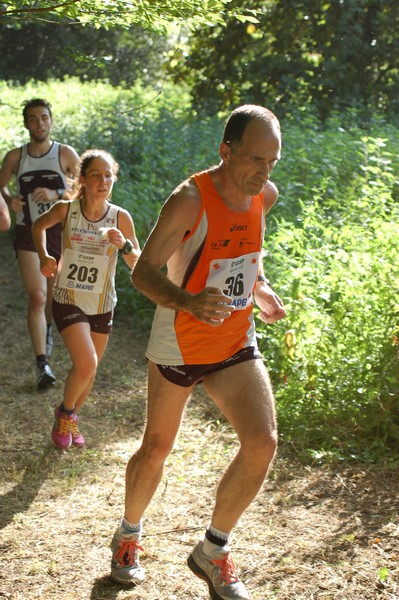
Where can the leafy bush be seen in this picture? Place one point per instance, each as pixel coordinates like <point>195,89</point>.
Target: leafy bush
<point>155,138</point>
<point>333,258</point>
<point>331,247</point>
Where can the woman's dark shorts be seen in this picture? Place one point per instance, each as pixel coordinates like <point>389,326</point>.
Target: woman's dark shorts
<point>68,314</point>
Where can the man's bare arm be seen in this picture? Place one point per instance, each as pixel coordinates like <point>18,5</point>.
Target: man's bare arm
<point>177,217</point>
<point>5,219</point>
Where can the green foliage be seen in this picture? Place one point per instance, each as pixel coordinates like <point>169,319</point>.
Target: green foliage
<point>155,137</point>
<point>122,13</point>
<point>331,247</point>
<point>333,257</point>
<point>294,56</point>
<point>307,54</point>
<point>116,55</point>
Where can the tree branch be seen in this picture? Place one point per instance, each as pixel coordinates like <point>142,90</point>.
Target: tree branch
<point>36,10</point>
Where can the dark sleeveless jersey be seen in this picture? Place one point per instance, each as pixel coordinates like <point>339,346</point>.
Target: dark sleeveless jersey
<point>33,172</point>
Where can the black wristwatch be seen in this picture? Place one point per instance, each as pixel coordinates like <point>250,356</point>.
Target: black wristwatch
<point>263,278</point>
<point>127,248</point>
<point>60,193</point>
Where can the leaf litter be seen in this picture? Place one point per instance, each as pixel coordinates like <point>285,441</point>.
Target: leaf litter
<point>321,532</point>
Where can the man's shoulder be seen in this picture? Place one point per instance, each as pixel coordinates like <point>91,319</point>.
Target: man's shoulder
<point>66,147</point>
<point>69,157</point>
<point>13,156</point>
<point>15,151</point>
<point>270,195</point>
<point>184,203</point>
<point>187,190</point>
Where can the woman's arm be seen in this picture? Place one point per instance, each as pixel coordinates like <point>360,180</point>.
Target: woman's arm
<point>56,214</point>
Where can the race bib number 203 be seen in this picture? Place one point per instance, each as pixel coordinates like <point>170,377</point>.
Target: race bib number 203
<point>83,272</point>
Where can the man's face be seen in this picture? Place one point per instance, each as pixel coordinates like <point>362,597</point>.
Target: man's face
<point>251,162</point>
<point>38,123</point>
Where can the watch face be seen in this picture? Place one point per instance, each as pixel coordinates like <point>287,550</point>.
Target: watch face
<point>127,248</point>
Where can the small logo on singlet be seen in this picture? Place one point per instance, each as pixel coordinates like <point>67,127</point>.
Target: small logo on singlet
<point>237,263</point>
<point>220,244</point>
<point>238,227</point>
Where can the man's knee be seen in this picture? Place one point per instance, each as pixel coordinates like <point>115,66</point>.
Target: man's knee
<point>37,299</point>
<point>261,448</point>
<point>156,448</point>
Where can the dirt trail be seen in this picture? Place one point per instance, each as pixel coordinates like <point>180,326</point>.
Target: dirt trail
<point>313,533</point>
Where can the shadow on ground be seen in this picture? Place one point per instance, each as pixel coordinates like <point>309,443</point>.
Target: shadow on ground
<point>20,497</point>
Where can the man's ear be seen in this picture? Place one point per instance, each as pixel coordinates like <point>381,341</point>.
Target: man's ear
<point>224,151</point>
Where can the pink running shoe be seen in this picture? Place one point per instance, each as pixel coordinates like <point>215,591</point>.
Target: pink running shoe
<point>77,438</point>
<point>61,433</point>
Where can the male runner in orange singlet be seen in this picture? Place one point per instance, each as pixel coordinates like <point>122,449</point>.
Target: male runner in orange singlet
<point>209,234</point>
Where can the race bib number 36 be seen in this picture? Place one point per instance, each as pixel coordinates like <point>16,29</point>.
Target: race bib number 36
<point>235,277</point>
<point>83,272</point>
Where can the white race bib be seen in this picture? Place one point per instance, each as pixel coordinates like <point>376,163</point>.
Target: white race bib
<point>228,275</point>
<point>38,208</point>
<point>83,272</point>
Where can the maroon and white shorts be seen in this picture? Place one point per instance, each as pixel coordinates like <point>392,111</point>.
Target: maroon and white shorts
<point>68,314</point>
<point>188,375</point>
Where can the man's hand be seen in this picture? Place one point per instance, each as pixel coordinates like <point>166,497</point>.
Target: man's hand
<point>17,204</point>
<point>211,306</point>
<point>271,306</point>
<point>45,195</point>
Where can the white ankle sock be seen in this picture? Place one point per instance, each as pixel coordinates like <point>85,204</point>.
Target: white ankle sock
<point>126,528</point>
<point>210,547</point>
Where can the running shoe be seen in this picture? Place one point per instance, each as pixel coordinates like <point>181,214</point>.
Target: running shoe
<point>125,566</point>
<point>77,438</point>
<point>45,377</point>
<point>61,433</point>
<point>219,573</point>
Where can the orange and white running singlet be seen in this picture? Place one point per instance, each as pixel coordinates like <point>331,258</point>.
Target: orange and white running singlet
<point>223,251</point>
